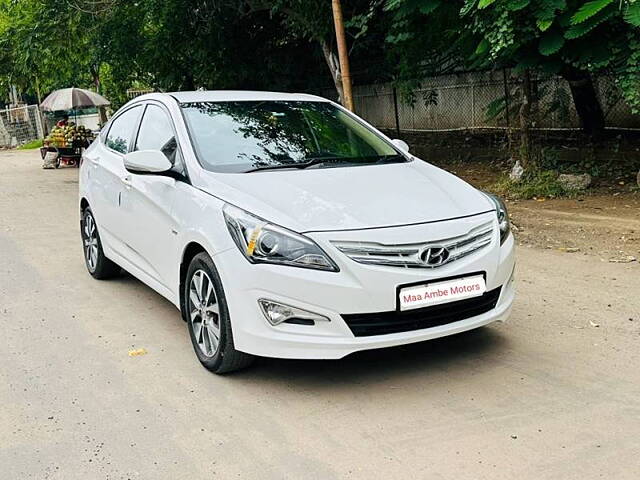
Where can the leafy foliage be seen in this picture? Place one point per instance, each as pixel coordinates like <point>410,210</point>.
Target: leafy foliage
<point>114,45</point>
<point>568,37</point>
<point>32,46</point>
<point>589,9</point>
<point>534,184</point>
<point>632,13</point>
<point>551,43</point>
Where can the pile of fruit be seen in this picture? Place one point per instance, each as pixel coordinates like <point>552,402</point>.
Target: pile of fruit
<point>69,135</point>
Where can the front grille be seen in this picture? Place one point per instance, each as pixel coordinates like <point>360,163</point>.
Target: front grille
<point>382,323</point>
<point>412,255</point>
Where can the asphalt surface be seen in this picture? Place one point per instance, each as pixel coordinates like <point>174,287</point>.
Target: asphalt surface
<point>552,394</point>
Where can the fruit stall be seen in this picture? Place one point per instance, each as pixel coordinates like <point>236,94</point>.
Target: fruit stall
<point>64,145</point>
<point>66,141</point>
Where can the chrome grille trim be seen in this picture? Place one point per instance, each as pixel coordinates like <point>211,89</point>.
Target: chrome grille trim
<point>408,255</point>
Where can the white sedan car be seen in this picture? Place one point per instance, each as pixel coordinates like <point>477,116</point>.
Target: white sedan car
<point>282,225</point>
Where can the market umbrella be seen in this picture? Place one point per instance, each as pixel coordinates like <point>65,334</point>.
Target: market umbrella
<point>73,99</point>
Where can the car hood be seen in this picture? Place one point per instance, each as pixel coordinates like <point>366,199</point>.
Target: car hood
<point>349,198</point>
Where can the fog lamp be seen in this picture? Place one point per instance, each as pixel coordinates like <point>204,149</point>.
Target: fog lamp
<point>277,313</point>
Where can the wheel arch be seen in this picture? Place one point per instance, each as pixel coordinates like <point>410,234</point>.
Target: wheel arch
<point>192,249</point>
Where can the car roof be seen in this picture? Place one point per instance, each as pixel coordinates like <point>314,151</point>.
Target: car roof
<point>234,96</point>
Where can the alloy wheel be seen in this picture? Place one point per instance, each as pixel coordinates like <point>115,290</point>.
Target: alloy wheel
<point>204,313</point>
<point>90,242</point>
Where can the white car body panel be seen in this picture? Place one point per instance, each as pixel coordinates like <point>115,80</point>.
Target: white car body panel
<point>356,289</point>
<point>147,214</point>
<point>105,171</point>
<point>147,221</point>
<point>332,198</point>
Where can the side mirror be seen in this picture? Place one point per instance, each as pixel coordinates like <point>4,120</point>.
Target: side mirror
<point>147,161</point>
<point>401,144</point>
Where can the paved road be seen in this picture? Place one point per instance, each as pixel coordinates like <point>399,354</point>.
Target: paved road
<point>548,395</point>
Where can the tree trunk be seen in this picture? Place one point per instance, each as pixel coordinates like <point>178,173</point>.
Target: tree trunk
<point>38,90</point>
<point>95,75</point>
<point>188,82</point>
<point>102,116</point>
<point>525,122</point>
<point>334,68</point>
<point>585,100</point>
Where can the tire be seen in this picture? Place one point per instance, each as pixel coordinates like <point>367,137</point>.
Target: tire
<point>99,266</point>
<point>212,339</point>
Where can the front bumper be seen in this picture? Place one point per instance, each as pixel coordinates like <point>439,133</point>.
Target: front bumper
<point>357,288</point>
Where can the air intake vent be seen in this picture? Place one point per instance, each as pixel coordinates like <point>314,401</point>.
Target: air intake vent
<point>382,323</point>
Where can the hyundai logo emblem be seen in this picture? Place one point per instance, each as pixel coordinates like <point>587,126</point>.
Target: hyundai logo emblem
<point>434,256</point>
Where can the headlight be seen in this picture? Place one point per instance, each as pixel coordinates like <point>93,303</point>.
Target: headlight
<point>503,216</point>
<point>262,242</point>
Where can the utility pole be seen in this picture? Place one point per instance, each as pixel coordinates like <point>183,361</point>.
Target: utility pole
<point>343,54</point>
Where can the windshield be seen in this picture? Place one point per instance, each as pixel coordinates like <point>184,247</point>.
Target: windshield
<point>246,136</point>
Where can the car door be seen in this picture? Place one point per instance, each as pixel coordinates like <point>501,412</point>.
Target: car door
<point>147,202</point>
<point>106,172</point>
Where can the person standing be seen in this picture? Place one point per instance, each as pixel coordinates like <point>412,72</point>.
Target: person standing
<point>63,122</point>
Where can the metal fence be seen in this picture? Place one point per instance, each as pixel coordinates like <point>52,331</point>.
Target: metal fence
<point>483,100</point>
<point>20,125</point>
<point>136,92</point>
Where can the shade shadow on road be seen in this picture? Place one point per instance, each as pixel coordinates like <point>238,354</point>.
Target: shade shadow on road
<point>455,354</point>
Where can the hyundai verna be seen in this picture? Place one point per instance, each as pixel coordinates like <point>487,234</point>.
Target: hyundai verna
<point>282,225</point>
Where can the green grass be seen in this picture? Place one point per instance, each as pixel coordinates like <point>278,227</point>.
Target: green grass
<point>31,145</point>
<point>542,183</point>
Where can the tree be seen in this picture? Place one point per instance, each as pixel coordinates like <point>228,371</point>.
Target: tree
<point>45,45</point>
<point>572,38</point>
<point>180,44</point>
<point>312,20</point>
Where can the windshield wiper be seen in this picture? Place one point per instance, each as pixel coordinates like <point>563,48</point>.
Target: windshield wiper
<point>301,165</point>
<point>392,159</point>
<point>335,160</point>
<point>356,160</point>
<point>273,167</point>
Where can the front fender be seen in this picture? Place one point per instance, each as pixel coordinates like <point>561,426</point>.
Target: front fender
<point>201,222</point>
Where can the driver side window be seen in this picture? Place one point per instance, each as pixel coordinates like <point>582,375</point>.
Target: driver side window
<point>156,133</point>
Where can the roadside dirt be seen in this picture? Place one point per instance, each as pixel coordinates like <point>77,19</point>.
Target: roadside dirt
<point>604,222</point>
<point>554,393</point>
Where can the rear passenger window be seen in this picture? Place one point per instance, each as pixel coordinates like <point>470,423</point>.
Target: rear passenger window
<point>121,130</point>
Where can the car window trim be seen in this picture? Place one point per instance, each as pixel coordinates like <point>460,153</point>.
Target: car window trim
<point>136,133</point>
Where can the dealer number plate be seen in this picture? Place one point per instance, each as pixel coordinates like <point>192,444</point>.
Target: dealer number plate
<point>442,292</point>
